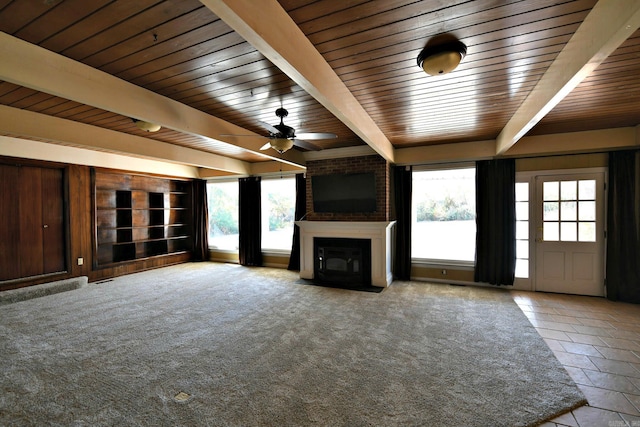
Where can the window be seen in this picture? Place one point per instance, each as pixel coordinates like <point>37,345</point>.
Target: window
<point>222,198</point>
<point>278,210</point>
<point>444,214</point>
<point>569,211</point>
<point>522,230</point>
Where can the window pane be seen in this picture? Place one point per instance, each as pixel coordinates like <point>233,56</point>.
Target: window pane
<point>587,211</point>
<point>522,268</point>
<point>568,211</point>
<point>522,230</point>
<point>550,190</point>
<point>587,189</point>
<point>444,213</point>
<point>587,231</point>
<point>568,190</point>
<point>551,211</point>
<point>522,249</point>
<point>551,231</point>
<point>522,211</point>
<point>568,232</point>
<point>222,201</point>
<point>278,209</point>
<point>522,191</point>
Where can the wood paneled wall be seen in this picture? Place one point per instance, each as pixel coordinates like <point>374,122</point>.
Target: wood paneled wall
<point>78,222</point>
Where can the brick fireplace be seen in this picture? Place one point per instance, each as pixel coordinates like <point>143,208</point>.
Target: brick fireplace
<point>379,233</point>
<point>373,163</point>
<point>377,227</point>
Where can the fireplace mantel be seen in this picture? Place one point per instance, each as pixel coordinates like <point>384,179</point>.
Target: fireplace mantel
<point>380,234</point>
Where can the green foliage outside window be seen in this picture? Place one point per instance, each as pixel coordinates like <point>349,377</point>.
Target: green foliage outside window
<point>447,209</point>
<point>281,211</point>
<point>223,212</point>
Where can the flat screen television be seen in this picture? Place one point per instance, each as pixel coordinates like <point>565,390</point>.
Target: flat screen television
<point>344,193</point>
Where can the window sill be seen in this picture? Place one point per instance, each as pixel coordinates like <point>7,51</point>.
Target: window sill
<point>276,252</point>
<point>273,252</point>
<point>224,250</point>
<point>444,263</point>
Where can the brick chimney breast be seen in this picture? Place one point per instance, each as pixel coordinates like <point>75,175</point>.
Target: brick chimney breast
<point>373,163</point>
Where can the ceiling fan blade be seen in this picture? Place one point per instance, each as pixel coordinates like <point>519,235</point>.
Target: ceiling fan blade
<point>265,146</point>
<point>232,134</point>
<point>268,127</point>
<point>316,135</point>
<point>306,145</point>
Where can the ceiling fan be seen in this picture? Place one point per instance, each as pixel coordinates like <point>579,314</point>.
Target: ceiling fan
<point>283,137</point>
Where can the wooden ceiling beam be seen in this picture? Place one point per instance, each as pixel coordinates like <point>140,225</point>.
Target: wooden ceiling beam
<point>607,26</point>
<point>274,34</point>
<point>29,124</point>
<point>31,66</point>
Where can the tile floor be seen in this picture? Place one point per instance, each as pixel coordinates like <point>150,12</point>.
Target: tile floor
<point>598,342</point>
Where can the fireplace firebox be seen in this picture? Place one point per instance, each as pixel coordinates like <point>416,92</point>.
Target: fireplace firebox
<point>342,261</point>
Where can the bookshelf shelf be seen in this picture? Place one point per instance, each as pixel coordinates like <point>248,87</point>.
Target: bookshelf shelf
<point>140,217</point>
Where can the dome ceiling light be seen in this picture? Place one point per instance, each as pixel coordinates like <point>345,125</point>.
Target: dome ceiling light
<point>146,126</point>
<point>437,59</point>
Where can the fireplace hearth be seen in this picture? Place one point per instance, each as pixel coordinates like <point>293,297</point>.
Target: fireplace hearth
<point>346,262</point>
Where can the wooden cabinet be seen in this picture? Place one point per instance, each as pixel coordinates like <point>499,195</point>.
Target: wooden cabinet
<point>32,226</point>
<point>139,217</point>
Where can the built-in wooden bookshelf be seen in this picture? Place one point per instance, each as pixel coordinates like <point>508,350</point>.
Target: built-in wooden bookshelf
<point>139,217</point>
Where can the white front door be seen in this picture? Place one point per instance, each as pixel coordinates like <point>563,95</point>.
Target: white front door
<point>570,235</point>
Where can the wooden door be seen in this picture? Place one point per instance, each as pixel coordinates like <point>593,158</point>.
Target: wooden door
<point>10,223</point>
<point>30,250</point>
<point>53,232</point>
<point>570,240</point>
<point>32,229</point>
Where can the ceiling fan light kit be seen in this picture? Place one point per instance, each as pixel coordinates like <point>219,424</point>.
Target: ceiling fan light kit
<point>146,126</point>
<point>281,144</point>
<point>443,58</point>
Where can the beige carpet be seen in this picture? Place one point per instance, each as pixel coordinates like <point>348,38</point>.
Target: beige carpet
<point>221,345</point>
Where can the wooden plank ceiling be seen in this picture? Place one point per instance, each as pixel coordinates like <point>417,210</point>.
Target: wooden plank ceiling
<point>183,52</point>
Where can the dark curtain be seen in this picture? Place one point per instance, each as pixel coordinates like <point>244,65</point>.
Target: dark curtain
<point>402,187</point>
<point>200,221</point>
<point>495,221</point>
<point>301,211</point>
<point>623,273</point>
<point>250,228</point>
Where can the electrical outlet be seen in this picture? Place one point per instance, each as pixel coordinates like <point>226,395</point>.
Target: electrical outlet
<point>80,261</point>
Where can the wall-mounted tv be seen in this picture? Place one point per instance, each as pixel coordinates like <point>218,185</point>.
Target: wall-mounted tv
<point>344,193</point>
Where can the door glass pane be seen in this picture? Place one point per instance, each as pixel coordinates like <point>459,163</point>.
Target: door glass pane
<point>568,211</point>
<point>568,190</point>
<point>551,211</point>
<point>587,211</point>
<point>522,268</point>
<point>568,232</point>
<point>587,231</point>
<point>587,189</point>
<point>551,231</point>
<point>522,230</point>
<point>522,249</point>
<point>522,191</point>
<point>550,190</point>
<point>522,211</point>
